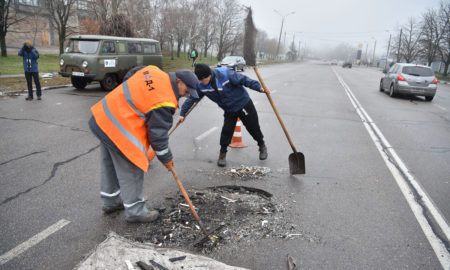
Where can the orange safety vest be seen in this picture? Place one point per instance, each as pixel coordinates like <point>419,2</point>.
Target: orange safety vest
<point>121,113</point>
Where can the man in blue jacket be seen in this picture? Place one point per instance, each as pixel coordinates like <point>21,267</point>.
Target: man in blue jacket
<point>226,88</point>
<point>30,67</point>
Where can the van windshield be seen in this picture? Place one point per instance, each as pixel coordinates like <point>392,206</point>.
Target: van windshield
<point>82,46</point>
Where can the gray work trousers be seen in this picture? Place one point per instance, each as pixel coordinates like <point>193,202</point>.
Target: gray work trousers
<point>121,182</point>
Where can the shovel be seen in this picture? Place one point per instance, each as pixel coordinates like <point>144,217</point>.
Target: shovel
<point>296,159</point>
<point>208,235</point>
<point>151,154</point>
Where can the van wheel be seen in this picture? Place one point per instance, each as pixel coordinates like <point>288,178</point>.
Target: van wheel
<point>109,82</point>
<point>78,83</point>
<point>429,98</point>
<point>381,86</point>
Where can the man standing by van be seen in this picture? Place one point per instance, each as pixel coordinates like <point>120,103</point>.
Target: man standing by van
<point>226,88</point>
<point>30,67</point>
<point>136,114</point>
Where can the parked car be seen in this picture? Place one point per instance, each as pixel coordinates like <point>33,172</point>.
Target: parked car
<point>106,59</point>
<point>347,64</point>
<point>233,62</point>
<point>334,62</point>
<point>411,79</point>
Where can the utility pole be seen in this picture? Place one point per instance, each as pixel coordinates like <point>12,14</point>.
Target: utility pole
<point>374,46</point>
<point>281,30</point>
<point>367,61</point>
<point>399,45</point>
<point>387,54</point>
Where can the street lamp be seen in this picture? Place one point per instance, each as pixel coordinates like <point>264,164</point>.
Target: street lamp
<point>282,23</point>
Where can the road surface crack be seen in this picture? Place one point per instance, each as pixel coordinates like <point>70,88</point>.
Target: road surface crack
<point>17,158</point>
<point>43,122</point>
<point>52,174</point>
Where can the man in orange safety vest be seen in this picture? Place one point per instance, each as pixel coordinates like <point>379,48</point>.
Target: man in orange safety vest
<point>134,116</point>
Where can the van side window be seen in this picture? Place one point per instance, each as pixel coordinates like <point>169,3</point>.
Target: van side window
<point>122,48</point>
<point>149,48</point>
<point>108,47</point>
<point>134,47</point>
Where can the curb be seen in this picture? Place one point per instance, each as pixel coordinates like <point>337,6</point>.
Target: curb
<point>18,92</point>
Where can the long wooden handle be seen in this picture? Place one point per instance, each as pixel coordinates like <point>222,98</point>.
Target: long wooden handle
<point>151,153</point>
<point>186,197</point>
<point>275,109</point>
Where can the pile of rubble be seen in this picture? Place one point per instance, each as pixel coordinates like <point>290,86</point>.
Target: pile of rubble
<point>248,172</point>
<point>237,213</point>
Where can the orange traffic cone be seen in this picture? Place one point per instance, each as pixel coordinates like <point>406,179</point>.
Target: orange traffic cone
<point>236,142</point>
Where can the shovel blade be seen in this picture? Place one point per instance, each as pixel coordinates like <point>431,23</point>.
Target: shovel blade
<point>297,163</point>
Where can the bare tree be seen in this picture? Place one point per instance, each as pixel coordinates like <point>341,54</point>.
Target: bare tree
<point>60,12</point>
<point>227,20</point>
<point>444,46</point>
<point>410,40</point>
<point>433,29</point>
<point>6,20</point>
<point>141,14</point>
<point>250,39</point>
<point>206,27</point>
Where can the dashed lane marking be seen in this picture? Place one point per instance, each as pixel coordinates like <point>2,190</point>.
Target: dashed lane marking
<point>440,107</point>
<point>32,241</point>
<point>205,134</point>
<point>417,198</point>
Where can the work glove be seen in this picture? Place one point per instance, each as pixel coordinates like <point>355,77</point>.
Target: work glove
<point>169,164</point>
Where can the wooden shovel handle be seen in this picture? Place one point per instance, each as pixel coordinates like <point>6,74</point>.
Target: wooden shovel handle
<point>275,109</point>
<point>151,153</point>
<point>186,197</point>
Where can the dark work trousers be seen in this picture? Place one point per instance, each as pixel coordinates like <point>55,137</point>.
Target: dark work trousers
<point>35,76</point>
<point>249,118</point>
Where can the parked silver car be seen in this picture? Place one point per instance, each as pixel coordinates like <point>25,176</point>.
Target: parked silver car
<point>233,62</point>
<point>410,79</point>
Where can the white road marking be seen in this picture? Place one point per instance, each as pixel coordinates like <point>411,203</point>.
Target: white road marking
<point>440,107</point>
<point>32,241</point>
<point>205,134</point>
<point>406,182</point>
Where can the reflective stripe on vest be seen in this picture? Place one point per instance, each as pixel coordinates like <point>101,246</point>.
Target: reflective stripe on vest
<point>126,92</point>
<point>122,130</point>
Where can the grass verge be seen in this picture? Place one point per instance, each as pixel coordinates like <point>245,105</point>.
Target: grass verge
<point>13,64</point>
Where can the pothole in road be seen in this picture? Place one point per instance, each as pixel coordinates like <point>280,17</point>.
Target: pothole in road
<point>242,214</point>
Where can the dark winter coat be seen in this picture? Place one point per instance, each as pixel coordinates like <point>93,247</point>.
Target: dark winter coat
<point>226,88</point>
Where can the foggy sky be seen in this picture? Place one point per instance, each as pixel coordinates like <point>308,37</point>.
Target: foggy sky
<point>327,23</point>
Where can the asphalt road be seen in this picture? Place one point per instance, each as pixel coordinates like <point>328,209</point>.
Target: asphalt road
<point>377,172</point>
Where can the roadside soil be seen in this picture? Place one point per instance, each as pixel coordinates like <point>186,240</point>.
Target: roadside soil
<point>16,84</point>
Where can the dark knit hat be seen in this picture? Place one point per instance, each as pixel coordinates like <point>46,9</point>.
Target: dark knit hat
<point>202,71</point>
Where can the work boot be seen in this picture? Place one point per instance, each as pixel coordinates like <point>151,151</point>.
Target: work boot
<point>221,162</point>
<point>109,210</point>
<point>262,152</point>
<point>149,217</point>
<point>29,98</point>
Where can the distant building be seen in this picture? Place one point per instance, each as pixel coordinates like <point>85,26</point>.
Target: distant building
<point>32,22</point>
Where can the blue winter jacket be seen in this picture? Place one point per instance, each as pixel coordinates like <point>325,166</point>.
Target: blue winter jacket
<point>30,57</point>
<point>230,95</point>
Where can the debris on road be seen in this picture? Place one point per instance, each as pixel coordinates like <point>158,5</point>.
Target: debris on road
<point>246,172</point>
<point>243,214</point>
<point>291,263</point>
